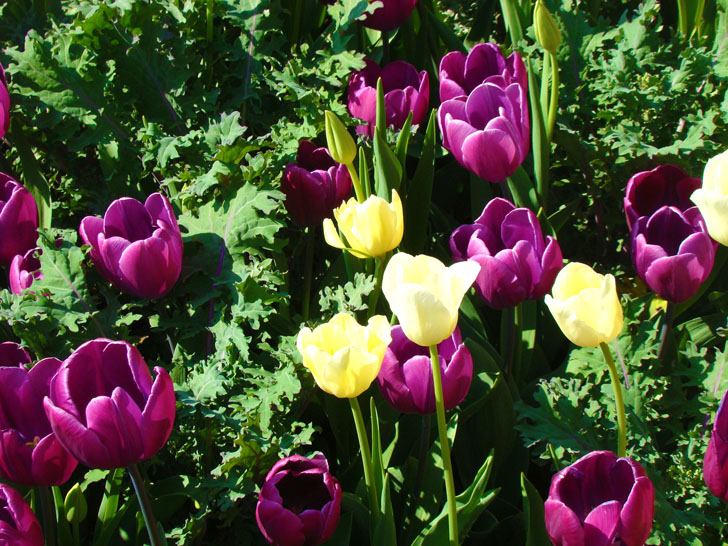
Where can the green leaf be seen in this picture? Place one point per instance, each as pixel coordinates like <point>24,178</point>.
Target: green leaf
<point>207,385</point>
<point>419,193</point>
<point>33,178</point>
<point>534,514</point>
<point>400,150</point>
<point>387,170</point>
<point>385,533</point>
<point>109,514</point>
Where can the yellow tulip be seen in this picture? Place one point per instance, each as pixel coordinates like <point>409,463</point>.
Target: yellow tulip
<point>343,356</point>
<point>585,305</point>
<point>425,295</point>
<point>712,198</point>
<point>370,229</point>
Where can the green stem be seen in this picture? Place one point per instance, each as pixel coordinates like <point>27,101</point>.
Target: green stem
<point>545,75</point>
<point>667,322</point>
<point>554,105</point>
<point>308,272</point>
<point>682,10</point>
<point>366,458</point>
<point>357,185</point>
<point>452,511</point>
<point>150,521</point>
<point>513,23</point>
<point>297,9</point>
<point>617,386</point>
<point>374,296</point>
<point>64,531</point>
<point>508,327</point>
<point>541,146</point>
<point>49,525</point>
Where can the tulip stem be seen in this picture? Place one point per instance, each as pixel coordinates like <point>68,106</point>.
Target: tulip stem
<point>545,75</point>
<point>366,458</point>
<point>554,105</point>
<point>374,296</point>
<point>617,386</point>
<point>452,511</point>
<point>308,272</point>
<point>508,330</point>
<point>155,536</point>
<point>49,525</point>
<point>667,322</point>
<point>360,197</point>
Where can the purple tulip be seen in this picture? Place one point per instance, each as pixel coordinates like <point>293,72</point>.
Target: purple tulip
<point>299,502</point>
<point>30,454</point>
<point>600,501</point>
<point>18,524</point>
<point>4,104</point>
<point>12,354</point>
<point>648,191</point>
<point>137,248</point>
<point>488,133</point>
<point>405,378</point>
<point>516,264</point>
<point>460,74</point>
<point>673,252</point>
<point>390,15</point>
<point>18,219</point>
<point>315,185</point>
<point>24,269</point>
<point>715,463</point>
<point>106,409</point>
<point>404,89</point>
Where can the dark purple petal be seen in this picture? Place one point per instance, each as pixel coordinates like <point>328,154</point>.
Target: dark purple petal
<point>492,154</point>
<point>159,413</point>
<point>143,266</point>
<point>389,16</point>
<point>12,354</point>
<point>83,444</point>
<point>675,278</point>
<point>51,463</point>
<point>18,220</point>
<point>450,112</point>
<point>602,524</point>
<point>18,524</point>
<point>562,525</point>
<point>638,513</point>
<point>452,76</point>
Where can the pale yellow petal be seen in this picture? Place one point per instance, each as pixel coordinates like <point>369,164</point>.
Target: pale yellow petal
<point>424,318</point>
<point>714,208</point>
<point>574,278</point>
<point>398,230</point>
<point>462,276</point>
<point>575,330</point>
<point>331,235</point>
<point>715,175</point>
<point>612,317</point>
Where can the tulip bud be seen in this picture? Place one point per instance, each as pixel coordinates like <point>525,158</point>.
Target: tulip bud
<point>546,27</point>
<point>75,505</point>
<point>339,141</point>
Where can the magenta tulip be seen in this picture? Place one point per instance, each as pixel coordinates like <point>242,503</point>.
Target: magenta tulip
<point>24,269</point>
<point>461,74</point>
<point>4,103</point>
<point>392,14</point>
<point>600,500</point>
<point>715,463</point>
<point>12,354</point>
<point>488,132</point>
<point>18,524</point>
<point>30,454</point>
<point>105,408</point>
<point>404,89</point>
<point>299,502</point>
<point>673,252</point>
<point>405,378</point>
<point>18,219</point>
<point>315,185</point>
<point>137,248</point>
<point>516,263</point>
<point>666,185</point>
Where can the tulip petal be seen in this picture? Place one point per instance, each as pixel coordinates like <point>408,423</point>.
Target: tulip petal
<point>82,443</point>
<point>638,513</point>
<point>142,266</point>
<point>116,424</point>
<point>51,463</point>
<point>278,525</point>
<point>562,525</point>
<point>675,278</point>
<point>159,413</point>
<point>129,219</point>
<point>714,208</point>
<point>424,318</point>
<point>417,373</point>
<point>451,71</point>
<point>602,524</point>
<point>492,154</point>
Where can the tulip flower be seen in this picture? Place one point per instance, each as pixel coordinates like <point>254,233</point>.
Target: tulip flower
<point>18,524</point>
<point>666,185</point>
<point>105,408</point>
<point>405,379</point>
<point>314,185</point>
<point>370,229</point>
<point>488,132</point>
<point>404,89</point>
<point>12,354</point>
<point>4,104</point>
<point>515,262</point>
<point>24,269</point>
<point>715,463</point>
<point>425,295</point>
<point>712,197</point>
<point>673,252</point>
<point>137,248</point>
<point>343,356</point>
<point>585,305</point>
<point>299,503</point>
<point>461,74</point>
<point>30,454</point>
<point>18,219</point>
<point>392,14</point>
<point>600,499</point>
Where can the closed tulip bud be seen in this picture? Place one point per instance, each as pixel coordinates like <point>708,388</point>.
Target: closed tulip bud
<point>405,379</point>
<point>390,15</point>
<point>340,143</point>
<point>600,499</point>
<point>4,104</point>
<point>715,463</point>
<point>516,263</point>
<point>546,27</point>
<point>24,269</point>
<point>18,219</point>
<point>105,407</point>
<point>425,295</point>
<point>18,525</point>
<point>712,197</point>
<point>585,305</point>
<point>75,505</point>
<point>369,229</point>
<point>299,503</point>
<point>343,356</point>
<point>137,248</point>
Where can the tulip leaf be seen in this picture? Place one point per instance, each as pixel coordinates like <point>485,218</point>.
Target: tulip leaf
<point>377,463</point>
<point>400,150</point>
<point>524,194</point>
<point>33,178</point>
<point>366,184</point>
<point>381,112</point>
<point>533,514</point>
<point>387,170</point>
<point>385,533</point>
<point>109,514</point>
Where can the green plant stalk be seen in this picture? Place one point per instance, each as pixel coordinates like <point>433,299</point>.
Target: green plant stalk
<point>49,525</point>
<point>509,8</point>
<point>366,458</point>
<point>360,197</point>
<point>554,105</point>
<point>374,296</point>
<point>146,507</point>
<point>617,386</point>
<point>297,9</point>
<point>545,76</point>
<point>682,10</point>
<point>509,341</point>
<point>64,531</point>
<point>308,271</point>
<point>541,146</point>
<point>452,510</point>
<point>667,322</point>
<point>698,22</point>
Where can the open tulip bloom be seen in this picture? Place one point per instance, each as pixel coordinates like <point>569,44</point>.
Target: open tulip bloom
<point>24,269</point>
<point>18,219</point>
<point>405,91</point>
<point>715,463</point>
<point>600,500</point>
<point>18,524</point>
<point>137,248</point>
<point>712,197</point>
